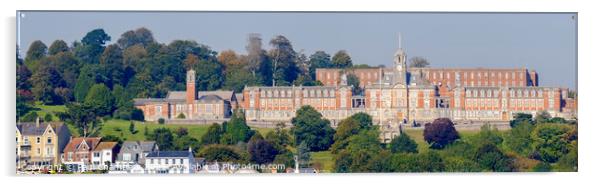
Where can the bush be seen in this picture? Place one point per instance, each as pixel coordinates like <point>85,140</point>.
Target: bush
<point>161,121</point>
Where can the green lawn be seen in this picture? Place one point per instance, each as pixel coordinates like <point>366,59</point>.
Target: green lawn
<point>46,109</point>
<point>423,146</point>
<point>120,128</point>
<point>325,158</point>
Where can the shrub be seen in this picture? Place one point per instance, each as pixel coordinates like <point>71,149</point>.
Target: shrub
<point>161,121</point>
<point>440,133</point>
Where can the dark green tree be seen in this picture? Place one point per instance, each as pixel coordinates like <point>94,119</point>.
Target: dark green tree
<point>311,128</point>
<point>236,129</point>
<point>261,151</point>
<point>551,141</point>
<point>521,117</point>
<point>519,138</point>
<point>84,118</point>
<point>213,135</point>
<point>491,158</point>
<point>221,153</point>
<point>403,144</point>
<point>319,59</point>
<point>92,46</point>
<point>363,118</point>
<point>163,137</point>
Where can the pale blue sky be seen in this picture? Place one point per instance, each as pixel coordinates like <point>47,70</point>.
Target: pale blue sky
<point>544,42</point>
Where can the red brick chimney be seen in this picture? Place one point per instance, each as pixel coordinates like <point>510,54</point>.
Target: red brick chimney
<point>190,87</point>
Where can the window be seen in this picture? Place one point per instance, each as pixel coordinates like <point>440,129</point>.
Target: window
<point>181,161</point>
<point>38,140</point>
<point>49,140</point>
<point>96,154</point>
<point>39,151</point>
<point>128,157</point>
<point>158,109</point>
<point>26,141</point>
<point>152,161</point>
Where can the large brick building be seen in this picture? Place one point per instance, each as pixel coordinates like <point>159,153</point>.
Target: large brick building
<point>189,104</point>
<point>401,94</point>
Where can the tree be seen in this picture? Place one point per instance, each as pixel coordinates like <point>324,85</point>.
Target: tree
<point>279,137</point>
<point>184,142</point>
<point>365,152</point>
<point>521,117</point>
<point>58,46</point>
<point>101,99</point>
<point>311,128</point>
<point>551,141</point>
<point>48,117</point>
<point>419,62</point>
<point>85,80</point>
<point>37,50</point>
<point>285,71</point>
<point>440,133</point>
<point>341,60</point>
<point>92,46</point>
<point>491,158</point>
<point>221,153</point>
<point>354,81</point>
<point>261,151</point>
<point>403,144</point>
<point>45,80</point>
<point>163,137</point>
<point>363,118</point>
<point>84,118</point>
<point>519,138</point>
<point>319,59</point>
<point>132,128</point>
<point>213,135</point>
<point>236,129</point>
<point>488,134</point>
<point>209,75</point>
<point>347,128</point>
<point>140,36</point>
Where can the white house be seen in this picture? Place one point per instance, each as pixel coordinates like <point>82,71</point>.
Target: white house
<point>174,162</point>
<point>103,156</point>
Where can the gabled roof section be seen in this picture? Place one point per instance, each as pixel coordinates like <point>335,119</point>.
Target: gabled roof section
<point>105,146</point>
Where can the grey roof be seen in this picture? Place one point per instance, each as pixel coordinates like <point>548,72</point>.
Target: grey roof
<point>144,101</point>
<point>138,146</point>
<point>147,146</point>
<point>30,128</point>
<point>169,154</point>
<point>176,95</point>
<point>225,95</point>
<point>210,98</point>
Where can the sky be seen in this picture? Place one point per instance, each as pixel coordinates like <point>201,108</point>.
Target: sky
<point>545,42</point>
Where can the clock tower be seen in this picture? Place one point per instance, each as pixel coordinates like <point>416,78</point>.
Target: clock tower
<point>400,63</point>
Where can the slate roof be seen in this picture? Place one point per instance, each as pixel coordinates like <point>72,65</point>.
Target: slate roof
<point>30,128</point>
<point>210,98</point>
<point>168,154</point>
<point>176,95</point>
<point>225,95</point>
<point>147,146</point>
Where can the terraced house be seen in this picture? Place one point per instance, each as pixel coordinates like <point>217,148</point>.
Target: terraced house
<point>40,144</point>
